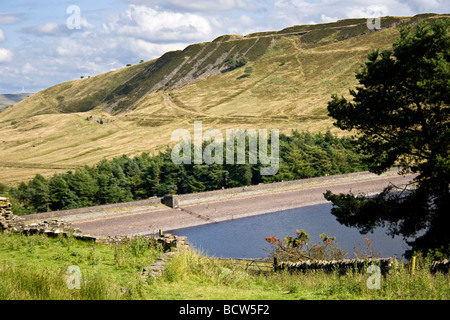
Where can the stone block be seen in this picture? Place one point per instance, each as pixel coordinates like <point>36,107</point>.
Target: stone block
<point>170,201</point>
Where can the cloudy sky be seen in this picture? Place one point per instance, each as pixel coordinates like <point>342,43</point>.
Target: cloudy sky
<point>43,43</point>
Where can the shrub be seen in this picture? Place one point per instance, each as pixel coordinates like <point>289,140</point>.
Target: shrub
<point>235,63</point>
<point>299,249</point>
<point>3,189</point>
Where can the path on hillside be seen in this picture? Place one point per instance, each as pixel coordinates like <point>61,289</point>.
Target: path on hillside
<point>144,218</point>
<point>297,57</point>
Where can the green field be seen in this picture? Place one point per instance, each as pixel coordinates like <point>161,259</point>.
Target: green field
<point>35,268</point>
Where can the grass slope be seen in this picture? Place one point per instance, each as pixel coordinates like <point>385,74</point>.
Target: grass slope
<point>286,84</point>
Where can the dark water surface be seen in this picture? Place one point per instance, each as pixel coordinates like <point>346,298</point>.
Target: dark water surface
<point>244,238</point>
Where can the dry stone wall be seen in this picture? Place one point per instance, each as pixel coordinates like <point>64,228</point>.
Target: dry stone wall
<point>343,266</point>
<point>8,221</point>
<point>56,227</point>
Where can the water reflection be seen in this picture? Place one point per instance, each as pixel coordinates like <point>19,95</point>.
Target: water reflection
<point>244,238</point>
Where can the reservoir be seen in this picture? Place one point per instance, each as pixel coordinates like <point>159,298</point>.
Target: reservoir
<point>245,238</point>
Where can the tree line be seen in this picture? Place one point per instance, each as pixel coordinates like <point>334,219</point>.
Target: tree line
<point>123,179</point>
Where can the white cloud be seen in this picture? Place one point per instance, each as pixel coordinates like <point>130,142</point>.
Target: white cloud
<point>6,55</point>
<point>28,69</point>
<point>430,6</point>
<point>148,49</point>
<point>162,26</point>
<point>202,5</point>
<point>303,11</point>
<point>325,18</point>
<point>85,25</point>
<point>56,29</point>
<point>9,18</point>
<point>372,11</point>
<point>2,36</point>
<point>48,29</point>
<point>50,53</point>
<point>80,47</point>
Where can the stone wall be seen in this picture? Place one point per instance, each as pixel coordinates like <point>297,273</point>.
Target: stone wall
<point>56,227</point>
<point>343,266</point>
<point>8,221</point>
<point>168,241</point>
<point>193,197</point>
<point>78,211</point>
<point>268,186</point>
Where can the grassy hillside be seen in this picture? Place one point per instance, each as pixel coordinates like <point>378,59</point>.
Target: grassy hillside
<point>286,84</point>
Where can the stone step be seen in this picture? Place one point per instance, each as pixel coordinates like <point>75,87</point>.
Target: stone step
<point>157,269</point>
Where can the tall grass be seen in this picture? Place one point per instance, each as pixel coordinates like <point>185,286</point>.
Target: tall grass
<point>232,282</point>
<point>35,268</point>
<point>26,282</point>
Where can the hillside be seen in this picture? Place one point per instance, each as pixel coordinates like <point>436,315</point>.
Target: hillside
<point>285,84</point>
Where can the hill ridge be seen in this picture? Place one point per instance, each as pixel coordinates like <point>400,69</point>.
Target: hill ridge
<point>284,82</point>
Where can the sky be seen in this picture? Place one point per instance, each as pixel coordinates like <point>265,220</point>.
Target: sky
<point>44,43</point>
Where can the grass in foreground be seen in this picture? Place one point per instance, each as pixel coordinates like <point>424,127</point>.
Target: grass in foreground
<point>35,267</point>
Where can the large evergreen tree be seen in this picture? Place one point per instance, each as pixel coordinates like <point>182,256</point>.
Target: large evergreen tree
<point>401,115</point>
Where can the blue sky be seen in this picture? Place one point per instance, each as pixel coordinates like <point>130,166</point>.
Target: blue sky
<point>39,46</point>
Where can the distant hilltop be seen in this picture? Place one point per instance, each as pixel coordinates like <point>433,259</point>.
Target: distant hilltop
<point>7,100</point>
<point>279,80</point>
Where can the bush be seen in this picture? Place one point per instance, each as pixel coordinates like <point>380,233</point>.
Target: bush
<point>234,63</point>
<point>299,249</point>
<point>3,190</point>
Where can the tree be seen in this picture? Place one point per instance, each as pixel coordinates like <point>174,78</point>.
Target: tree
<point>115,193</point>
<point>401,116</point>
<point>61,197</point>
<point>134,175</point>
<point>84,186</point>
<point>39,194</point>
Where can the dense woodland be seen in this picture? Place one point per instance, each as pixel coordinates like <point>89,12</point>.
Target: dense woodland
<point>122,179</point>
